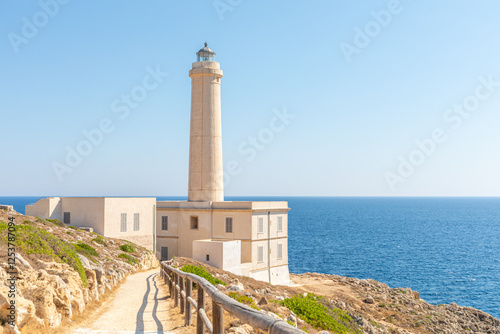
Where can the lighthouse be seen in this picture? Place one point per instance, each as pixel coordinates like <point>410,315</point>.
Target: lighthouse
<point>205,144</point>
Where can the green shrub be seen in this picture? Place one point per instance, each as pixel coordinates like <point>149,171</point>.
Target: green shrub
<point>313,310</point>
<point>56,222</point>
<point>100,240</point>
<point>129,259</point>
<point>244,300</point>
<point>127,248</point>
<point>73,227</point>
<point>200,271</point>
<point>33,240</point>
<point>85,249</point>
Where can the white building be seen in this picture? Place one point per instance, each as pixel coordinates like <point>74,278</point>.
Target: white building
<point>115,217</point>
<point>248,238</point>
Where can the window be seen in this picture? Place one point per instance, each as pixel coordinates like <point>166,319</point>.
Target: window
<point>136,222</point>
<point>164,223</point>
<point>261,225</point>
<point>164,253</point>
<point>260,254</point>
<point>208,257</point>
<point>280,251</point>
<point>229,225</point>
<point>194,222</point>
<point>67,218</point>
<point>280,223</point>
<point>123,225</point>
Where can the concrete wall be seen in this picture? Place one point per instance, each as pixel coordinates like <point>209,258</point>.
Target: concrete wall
<point>144,206</point>
<point>45,208</point>
<point>85,212</point>
<point>222,254</point>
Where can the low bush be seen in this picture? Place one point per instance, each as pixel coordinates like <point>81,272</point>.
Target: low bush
<point>85,249</point>
<point>244,300</point>
<point>56,222</point>
<point>129,259</point>
<point>200,271</point>
<point>34,240</point>
<point>314,310</point>
<point>100,240</point>
<point>127,248</point>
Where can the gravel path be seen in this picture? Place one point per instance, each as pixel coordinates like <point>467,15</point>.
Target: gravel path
<point>140,305</point>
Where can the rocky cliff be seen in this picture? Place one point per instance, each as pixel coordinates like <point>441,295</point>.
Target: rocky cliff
<point>319,303</point>
<point>59,270</point>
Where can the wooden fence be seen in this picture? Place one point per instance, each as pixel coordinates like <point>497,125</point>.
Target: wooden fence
<point>180,285</point>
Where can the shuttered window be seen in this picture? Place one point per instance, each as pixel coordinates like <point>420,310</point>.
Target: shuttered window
<point>260,254</point>
<point>123,222</point>
<point>261,225</point>
<point>67,218</point>
<point>137,226</point>
<point>164,253</point>
<point>229,225</point>
<point>280,251</point>
<point>280,223</point>
<point>164,223</point>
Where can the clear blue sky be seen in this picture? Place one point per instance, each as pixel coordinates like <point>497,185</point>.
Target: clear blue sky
<point>357,113</point>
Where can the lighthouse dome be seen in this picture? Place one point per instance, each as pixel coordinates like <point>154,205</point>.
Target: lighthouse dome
<point>206,54</point>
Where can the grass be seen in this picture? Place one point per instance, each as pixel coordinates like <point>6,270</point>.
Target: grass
<point>56,222</point>
<point>244,300</point>
<point>73,227</point>
<point>100,240</point>
<point>127,248</point>
<point>85,249</point>
<point>129,259</point>
<point>314,310</point>
<point>34,240</point>
<point>200,271</point>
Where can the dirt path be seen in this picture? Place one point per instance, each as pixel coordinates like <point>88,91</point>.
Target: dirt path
<point>140,305</point>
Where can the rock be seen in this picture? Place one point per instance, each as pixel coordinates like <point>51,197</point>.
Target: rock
<point>21,260</point>
<point>369,300</point>
<point>236,287</point>
<point>292,319</point>
<point>416,295</point>
<point>263,301</point>
<point>220,287</point>
<point>239,330</point>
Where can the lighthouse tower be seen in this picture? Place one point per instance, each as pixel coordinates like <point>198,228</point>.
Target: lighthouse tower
<point>205,145</point>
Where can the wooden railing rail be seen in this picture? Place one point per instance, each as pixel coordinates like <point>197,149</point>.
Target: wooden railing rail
<point>180,286</point>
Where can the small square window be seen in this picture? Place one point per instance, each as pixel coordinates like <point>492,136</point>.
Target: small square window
<point>208,257</point>
<point>194,222</point>
<point>229,225</point>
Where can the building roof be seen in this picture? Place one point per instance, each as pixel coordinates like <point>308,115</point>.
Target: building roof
<point>206,49</point>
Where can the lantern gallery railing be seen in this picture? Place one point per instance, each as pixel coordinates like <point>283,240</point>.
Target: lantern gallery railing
<point>180,285</point>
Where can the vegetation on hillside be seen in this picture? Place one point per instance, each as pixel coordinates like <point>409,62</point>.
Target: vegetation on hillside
<point>129,259</point>
<point>315,311</point>
<point>200,271</point>
<point>244,300</point>
<point>127,248</point>
<point>34,240</point>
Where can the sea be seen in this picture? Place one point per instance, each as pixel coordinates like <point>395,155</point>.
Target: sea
<point>446,248</point>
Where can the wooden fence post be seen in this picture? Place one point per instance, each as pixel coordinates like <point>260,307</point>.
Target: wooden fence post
<point>200,325</point>
<point>217,318</point>
<point>183,300</point>
<point>176,293</point>
<point>189,287</point>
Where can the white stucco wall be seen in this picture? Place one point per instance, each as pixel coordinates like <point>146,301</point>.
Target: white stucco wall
<point>225,254</point>
<point>45,208</point>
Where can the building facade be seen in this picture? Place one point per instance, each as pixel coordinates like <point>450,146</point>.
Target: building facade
<point>246,238</point>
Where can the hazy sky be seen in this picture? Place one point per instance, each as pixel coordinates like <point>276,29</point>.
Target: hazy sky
<point>322,98</point>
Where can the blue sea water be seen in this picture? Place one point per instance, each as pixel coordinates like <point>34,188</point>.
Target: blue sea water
<point>448,249</point>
